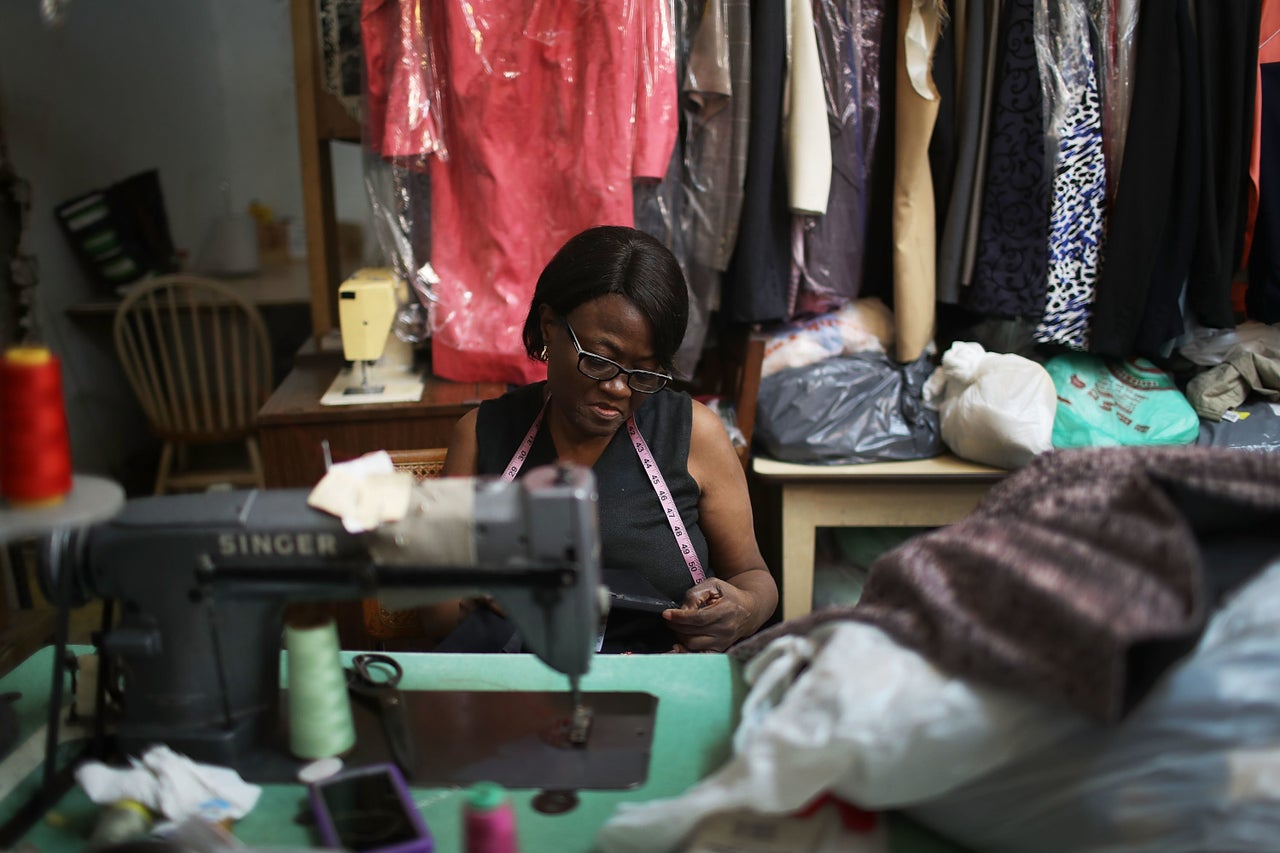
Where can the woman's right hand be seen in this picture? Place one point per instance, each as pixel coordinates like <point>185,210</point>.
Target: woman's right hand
<point>715,614</point>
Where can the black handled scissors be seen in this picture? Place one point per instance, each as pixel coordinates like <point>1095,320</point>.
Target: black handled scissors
<point>374,679</point>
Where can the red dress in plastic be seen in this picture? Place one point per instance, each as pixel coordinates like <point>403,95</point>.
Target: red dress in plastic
<point>550,110</point>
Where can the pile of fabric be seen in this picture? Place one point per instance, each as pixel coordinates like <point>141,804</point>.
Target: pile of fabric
<point>1040,669</point>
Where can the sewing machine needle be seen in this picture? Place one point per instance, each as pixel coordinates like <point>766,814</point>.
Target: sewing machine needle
<point>580,722</point>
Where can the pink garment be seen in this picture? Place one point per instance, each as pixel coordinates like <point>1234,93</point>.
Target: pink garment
<point>378,22</point>
<point>402,99</point>
<point>551,110</point>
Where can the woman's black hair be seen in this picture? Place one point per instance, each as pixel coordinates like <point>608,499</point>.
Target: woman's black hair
<point>613,259</point>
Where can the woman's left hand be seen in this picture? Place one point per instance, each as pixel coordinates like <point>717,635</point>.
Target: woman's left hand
<point>714,615</point>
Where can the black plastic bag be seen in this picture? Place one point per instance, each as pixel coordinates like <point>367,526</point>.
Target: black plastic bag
<point>857,408</point>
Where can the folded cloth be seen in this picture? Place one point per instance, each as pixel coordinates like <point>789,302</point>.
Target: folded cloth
<point>1245,372</point>
<point>172,785</point>
<point>1080,578</point>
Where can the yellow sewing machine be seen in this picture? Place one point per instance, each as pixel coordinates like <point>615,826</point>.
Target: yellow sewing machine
<point>381,368</point>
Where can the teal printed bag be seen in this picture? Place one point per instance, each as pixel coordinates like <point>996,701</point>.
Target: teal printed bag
<point>1108,403</point>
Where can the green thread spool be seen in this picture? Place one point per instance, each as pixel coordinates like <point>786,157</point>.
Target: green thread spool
<point>320,724</point>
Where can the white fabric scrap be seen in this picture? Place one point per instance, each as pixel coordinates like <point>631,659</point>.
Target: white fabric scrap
<point>171,784</point>
<point>995,408</point>
<point>365,492</point>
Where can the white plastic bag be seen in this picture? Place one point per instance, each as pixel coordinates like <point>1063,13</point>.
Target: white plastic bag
<point>1195,767</point>
<point>996,408</point>
<point>848,711</point>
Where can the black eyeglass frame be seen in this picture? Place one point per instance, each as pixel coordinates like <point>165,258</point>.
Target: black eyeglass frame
<point>613,368</point>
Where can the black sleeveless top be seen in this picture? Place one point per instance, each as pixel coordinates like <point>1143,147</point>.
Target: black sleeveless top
<point>634,533</point>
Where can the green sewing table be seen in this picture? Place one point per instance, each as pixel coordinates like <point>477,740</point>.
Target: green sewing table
<point>698,701</point>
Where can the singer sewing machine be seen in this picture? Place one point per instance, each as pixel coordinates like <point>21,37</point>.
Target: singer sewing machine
<point>203,581</point>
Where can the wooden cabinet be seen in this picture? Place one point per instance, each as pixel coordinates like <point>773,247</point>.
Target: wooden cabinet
<point>292,424</point>
<point>321,121</point>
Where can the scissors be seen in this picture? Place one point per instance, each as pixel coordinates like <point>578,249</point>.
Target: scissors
<point>374,679</point>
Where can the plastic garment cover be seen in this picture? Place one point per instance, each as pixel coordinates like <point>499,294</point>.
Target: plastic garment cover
<point>828,250</point>
<point>717,102</point>
<point>709,91</point>
<point>995,408</point>
<point>1208,346</point>
<point>1117,22</point>
<point>549,111</point>
<point>659,206</point>
<point>400,203</point>
<point>1075,152</point>
<point>1195,767</point>
<point>696,208</point>
<point>846,710</point>
<point>1061,35</point>
<point>403,125</point>
<point>403,103</point>
<point>1256,427</point>
<point>857,408</point>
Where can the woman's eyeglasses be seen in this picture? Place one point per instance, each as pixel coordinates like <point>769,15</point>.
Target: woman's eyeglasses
<point>601,369</point>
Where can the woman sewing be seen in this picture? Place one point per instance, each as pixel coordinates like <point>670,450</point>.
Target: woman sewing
<point>607,316</point>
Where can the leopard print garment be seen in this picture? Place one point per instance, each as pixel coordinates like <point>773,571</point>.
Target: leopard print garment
<point>1076,220</point>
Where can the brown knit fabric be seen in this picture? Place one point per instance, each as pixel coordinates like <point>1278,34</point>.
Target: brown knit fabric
<point>1078,579</point>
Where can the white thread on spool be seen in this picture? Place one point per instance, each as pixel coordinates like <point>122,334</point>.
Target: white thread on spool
<point>321,768</point>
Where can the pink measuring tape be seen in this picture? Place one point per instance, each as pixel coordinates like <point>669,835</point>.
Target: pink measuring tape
<point>655,478</point>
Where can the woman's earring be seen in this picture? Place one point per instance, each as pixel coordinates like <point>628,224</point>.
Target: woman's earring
<point>542,356</point>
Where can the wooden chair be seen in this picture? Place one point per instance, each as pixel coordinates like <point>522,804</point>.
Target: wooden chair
<point>422,464</point>
<point>198,358</point>
<point>380,624</point>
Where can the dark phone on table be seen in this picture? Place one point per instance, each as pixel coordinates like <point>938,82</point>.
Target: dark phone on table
<point>629,590</point>
<point>369,809</point>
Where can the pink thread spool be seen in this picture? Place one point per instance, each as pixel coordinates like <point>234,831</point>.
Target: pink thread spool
<point>489,822</point>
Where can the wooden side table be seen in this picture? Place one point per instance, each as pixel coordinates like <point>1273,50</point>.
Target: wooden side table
<point>292,424</point>
<point>916,493</point>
